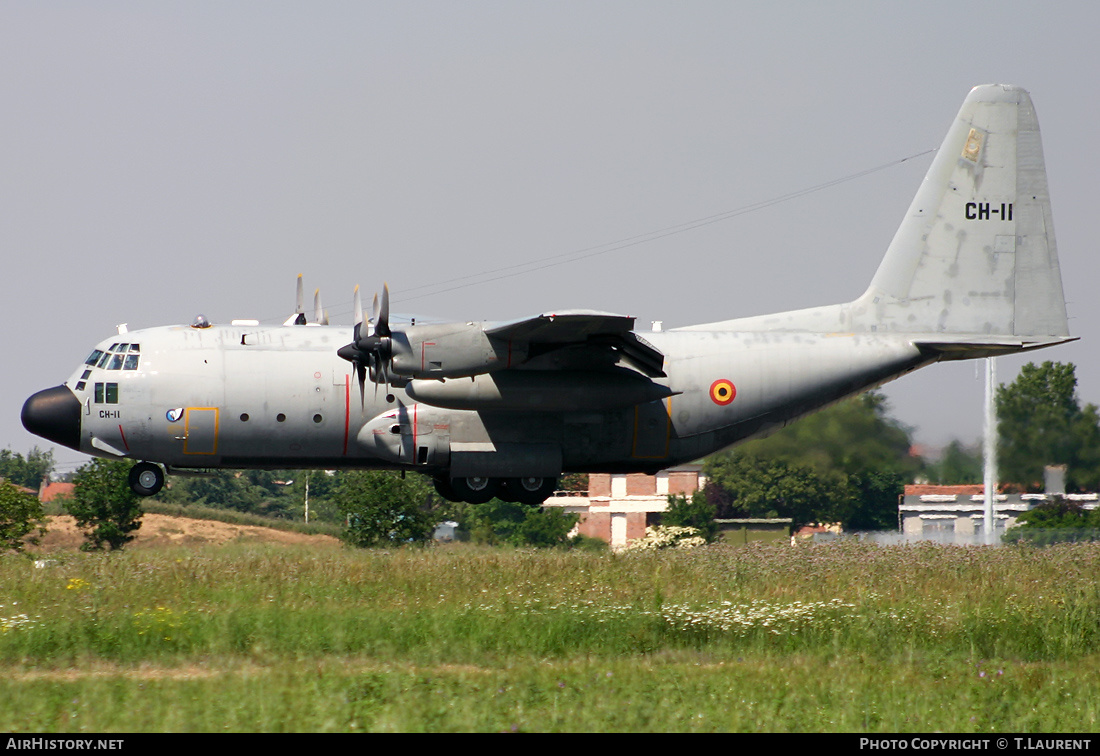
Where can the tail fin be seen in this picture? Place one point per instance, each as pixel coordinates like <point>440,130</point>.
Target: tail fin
<point>976,254</point>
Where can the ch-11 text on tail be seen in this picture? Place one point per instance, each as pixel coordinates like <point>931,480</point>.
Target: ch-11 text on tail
<point>503,409</point>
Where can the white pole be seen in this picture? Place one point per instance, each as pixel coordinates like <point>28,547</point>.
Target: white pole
<point>307,497</point>
<point>990,445</point>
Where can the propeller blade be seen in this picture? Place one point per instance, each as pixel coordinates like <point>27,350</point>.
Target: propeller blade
<point>382,323</point>
<point>358,307</point>
<point>299,317</point>
<point>319,314</point>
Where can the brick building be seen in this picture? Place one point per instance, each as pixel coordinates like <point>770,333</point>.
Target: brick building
<point>619,506</point>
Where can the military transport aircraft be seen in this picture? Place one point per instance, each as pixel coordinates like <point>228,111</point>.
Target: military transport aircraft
<point>503,409</point>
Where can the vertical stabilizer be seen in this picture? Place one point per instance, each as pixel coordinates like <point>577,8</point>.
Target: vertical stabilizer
<point>975,253</point>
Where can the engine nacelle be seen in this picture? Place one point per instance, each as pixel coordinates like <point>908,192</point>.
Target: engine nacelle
<point>415,435</point>
<point>451,350</point>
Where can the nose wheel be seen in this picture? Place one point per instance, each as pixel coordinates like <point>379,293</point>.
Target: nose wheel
<point>146,478</point>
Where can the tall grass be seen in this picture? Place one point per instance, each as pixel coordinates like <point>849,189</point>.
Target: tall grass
<point>826,637</point>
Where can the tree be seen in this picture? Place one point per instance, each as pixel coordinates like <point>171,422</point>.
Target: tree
<point>957,464</point>
<point>103,504</point>
<point>1055,521</point>
<point>847,463</point>
<point>27,472</point>
<point>852,436</point>
<point>499,522</point>
<point>745,486</point>
<point>384,509</point>
<point>697,512</point>
<point>1041,422</point>
<point>877,495</point>
<point>21,513</point>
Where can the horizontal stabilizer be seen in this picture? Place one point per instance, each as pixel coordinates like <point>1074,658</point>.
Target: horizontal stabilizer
<point>965,348</point>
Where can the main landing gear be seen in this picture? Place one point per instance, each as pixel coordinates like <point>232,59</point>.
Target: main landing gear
<point>478,490</point>
<point>146,478</point>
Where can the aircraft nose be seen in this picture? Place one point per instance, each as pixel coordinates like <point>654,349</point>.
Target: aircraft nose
<point>54,414</point>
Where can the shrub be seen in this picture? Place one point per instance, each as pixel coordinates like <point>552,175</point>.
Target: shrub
<point>103,504</point>
<point>20,514</point>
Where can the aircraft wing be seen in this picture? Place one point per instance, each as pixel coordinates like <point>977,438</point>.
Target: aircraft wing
<point>586,328</point>
<point>562,327</point>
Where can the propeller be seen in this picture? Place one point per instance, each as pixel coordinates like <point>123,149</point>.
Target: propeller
<point>370,349</point>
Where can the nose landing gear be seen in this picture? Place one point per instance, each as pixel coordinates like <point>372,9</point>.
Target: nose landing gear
<point>146,479</point>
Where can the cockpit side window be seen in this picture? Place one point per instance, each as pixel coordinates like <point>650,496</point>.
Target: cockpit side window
<point>93,358</point>
<point>106,392</point>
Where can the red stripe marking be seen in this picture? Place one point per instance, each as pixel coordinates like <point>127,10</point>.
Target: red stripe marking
<point>123,438</point>
<point>347,409</point>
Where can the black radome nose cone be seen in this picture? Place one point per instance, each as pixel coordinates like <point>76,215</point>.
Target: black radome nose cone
<point>54,414</point>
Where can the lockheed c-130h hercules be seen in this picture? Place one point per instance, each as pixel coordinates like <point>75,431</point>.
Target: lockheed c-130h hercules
<point>503,409</point>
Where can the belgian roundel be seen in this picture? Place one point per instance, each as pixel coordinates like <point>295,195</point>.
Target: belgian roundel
<point>722,391</point>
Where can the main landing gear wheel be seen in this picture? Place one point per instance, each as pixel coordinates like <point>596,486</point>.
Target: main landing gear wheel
<point>444,489</point>
<point>475,490</point>
<point>146,478</point>
<point>530,490</point>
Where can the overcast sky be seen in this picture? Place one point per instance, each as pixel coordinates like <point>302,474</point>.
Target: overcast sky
<point>159,160</point>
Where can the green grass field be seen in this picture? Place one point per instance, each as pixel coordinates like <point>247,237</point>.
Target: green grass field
<point>840,637</point>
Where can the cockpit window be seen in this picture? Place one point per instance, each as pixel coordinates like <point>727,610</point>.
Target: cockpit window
<point>118,357</point>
